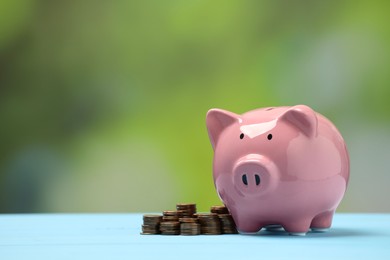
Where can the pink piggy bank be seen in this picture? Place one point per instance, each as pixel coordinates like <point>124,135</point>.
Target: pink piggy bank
<point>278,167</point>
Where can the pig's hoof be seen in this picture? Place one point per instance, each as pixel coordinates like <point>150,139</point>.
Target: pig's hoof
<point>271,228</point>
<point>248,228</point>
<point>246,233</point>
<point>319,229</point>
<point>298,234</point>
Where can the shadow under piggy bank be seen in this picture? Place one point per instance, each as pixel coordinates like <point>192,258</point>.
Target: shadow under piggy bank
<point>332,232</point>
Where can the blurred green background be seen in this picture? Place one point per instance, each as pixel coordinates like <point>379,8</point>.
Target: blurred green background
<point>103,103</point>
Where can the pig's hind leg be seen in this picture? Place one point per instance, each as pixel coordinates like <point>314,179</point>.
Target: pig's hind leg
<point>322,222</point>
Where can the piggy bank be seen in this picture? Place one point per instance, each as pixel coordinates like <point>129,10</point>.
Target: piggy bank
<point>278,167</point>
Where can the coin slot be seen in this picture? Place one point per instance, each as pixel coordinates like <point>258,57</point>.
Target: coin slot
<point>244,179</point>
<point>257,178</point>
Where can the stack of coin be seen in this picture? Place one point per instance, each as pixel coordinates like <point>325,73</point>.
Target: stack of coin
<point>170,228</point>
<point>219,210</point>
<point>209,224</point>
<point>186,209</point>
<point>189,226</point>
<point>185,221</point>
<point>170,215</point>
<point>151,224</point>
<point>227,223</point>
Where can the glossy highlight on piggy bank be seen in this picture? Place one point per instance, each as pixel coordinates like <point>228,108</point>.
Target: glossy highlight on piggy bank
<point>278,167</point>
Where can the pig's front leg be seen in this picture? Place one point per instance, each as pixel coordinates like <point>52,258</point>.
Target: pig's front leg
<point>248,227</point>
<point>322,222</point>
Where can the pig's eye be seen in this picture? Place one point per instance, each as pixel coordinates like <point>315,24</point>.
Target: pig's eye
<point>241,136</point>
<point>269,136</point>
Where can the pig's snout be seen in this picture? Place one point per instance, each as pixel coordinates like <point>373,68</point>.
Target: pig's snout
<point>250,173</point>
<point>254,174</point>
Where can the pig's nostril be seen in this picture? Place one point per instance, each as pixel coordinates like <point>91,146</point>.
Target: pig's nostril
<point>257,178</point>
<point>244,179</point>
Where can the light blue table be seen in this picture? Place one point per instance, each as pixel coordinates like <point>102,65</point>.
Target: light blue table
<point>116,236</point>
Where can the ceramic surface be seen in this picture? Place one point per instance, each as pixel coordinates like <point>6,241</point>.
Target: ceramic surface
<point>285,166</point>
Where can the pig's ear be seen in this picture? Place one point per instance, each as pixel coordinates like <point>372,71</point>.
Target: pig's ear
<point>217,120</point>
<point>302,117</point>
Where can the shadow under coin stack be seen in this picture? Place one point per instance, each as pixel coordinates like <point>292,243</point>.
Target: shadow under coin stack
<point>151,225</point>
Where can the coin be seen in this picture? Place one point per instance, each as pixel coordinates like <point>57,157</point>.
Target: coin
<point>187,209</point>
<point>209,224</point>
<point>189,228</point>
<point>170,218</point>
<point>150,228</point>
<point>219,210</point>
<point>152,219</point>
<point>151,224</point>
<point>188,220</point>
<point>185,221</point>
<point>170,213</point>
<point>227,223</point>
<point>170,228</point>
